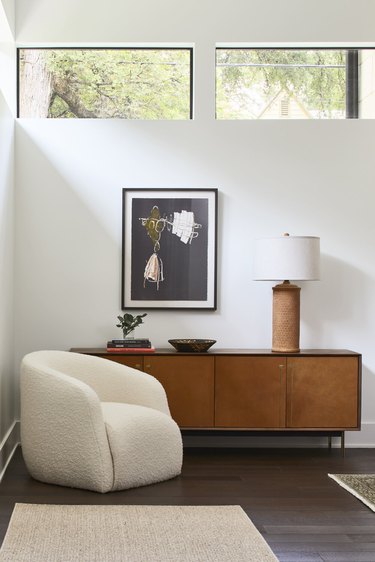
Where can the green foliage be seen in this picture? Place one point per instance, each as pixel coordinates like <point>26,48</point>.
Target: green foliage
<point>128,322</point>
<point>248,79</point>
<point>120,83</point>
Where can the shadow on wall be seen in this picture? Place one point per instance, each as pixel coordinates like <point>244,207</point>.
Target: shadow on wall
<point>67,263</point>
<point>7,403</point>
<point>337,310</point>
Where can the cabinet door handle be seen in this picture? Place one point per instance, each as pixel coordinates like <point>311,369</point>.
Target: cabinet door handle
<point>282,395</point>
<point>147,366</point>
<point>137,365</point>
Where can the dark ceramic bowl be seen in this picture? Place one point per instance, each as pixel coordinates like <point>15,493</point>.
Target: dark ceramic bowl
<point>192,345</point>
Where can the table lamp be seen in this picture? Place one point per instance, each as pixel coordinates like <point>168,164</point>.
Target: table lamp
<point>286,258</point>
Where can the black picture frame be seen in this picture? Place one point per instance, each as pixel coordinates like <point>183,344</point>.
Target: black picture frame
<point>169,248</point>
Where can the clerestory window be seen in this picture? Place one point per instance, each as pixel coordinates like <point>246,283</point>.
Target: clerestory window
<point>105,83</point>
<point>294,83</point>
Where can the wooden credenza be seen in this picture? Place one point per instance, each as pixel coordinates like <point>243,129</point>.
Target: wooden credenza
<point>256,390</point>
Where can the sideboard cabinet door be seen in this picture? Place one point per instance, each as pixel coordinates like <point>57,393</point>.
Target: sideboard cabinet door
<point>189,384</point>
<point>250,392</point>
<point>323,392</point>
<point>134,361</point>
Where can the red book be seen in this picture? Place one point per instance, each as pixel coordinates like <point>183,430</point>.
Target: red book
<point>131,349</point>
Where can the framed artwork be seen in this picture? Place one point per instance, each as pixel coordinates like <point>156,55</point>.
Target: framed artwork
<point>169,240</point>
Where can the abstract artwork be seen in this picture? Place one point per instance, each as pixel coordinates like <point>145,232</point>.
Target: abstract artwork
<point>169,248</point>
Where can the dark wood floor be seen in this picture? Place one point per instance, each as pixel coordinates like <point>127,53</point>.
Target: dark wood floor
<point>303,514</point>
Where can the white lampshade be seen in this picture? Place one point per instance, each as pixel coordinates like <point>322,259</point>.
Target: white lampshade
<point>294,258</point>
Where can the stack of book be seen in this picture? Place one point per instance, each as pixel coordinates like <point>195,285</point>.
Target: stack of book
<point>131,345</point>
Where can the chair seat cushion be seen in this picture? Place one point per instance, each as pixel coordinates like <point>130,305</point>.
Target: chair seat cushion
<point>146,444</point>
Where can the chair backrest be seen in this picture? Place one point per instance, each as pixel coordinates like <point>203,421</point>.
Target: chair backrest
<point>111,381</point>
<point>62,426</point>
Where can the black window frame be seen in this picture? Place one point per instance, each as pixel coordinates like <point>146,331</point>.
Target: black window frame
<point>352,84</point>
<point>120,48</point>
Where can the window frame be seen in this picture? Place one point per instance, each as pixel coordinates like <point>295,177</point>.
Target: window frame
<point>189,48</point>
<point>351,72</point>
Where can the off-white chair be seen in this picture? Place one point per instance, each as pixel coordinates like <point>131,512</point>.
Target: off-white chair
<point>91,423</point>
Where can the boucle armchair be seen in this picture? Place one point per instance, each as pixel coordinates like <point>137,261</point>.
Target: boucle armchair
<point>91,423</point>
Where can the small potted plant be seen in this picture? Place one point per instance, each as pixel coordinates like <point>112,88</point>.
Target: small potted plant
<point>128,323</point>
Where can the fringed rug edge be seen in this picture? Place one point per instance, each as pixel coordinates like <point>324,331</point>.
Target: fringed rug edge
<point>349,489</point>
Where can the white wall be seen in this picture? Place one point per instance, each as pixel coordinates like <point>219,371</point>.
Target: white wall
<point>304,177</point>
<point>366,88</point>
<point>7,378</point>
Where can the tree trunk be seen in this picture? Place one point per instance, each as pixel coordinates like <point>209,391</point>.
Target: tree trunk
<point>62,89</point>
<point>35,84</point>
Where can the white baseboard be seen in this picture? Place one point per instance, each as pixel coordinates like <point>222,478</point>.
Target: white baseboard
<point>8,445</point>
<point>353,439</point>
<point>364,438</point>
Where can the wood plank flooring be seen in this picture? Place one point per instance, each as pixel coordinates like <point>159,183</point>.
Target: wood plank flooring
<point>303,515</point>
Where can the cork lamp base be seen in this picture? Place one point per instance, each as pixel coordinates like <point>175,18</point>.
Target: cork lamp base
<point>286,317</point>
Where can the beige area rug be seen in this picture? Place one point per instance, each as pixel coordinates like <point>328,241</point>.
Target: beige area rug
<point>131,533</point>
<point>362,486</point>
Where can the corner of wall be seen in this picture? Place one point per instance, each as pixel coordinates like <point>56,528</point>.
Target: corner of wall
<point>8,18</point>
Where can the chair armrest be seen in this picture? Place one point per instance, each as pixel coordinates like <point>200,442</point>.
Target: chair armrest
<point>62,429</point>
